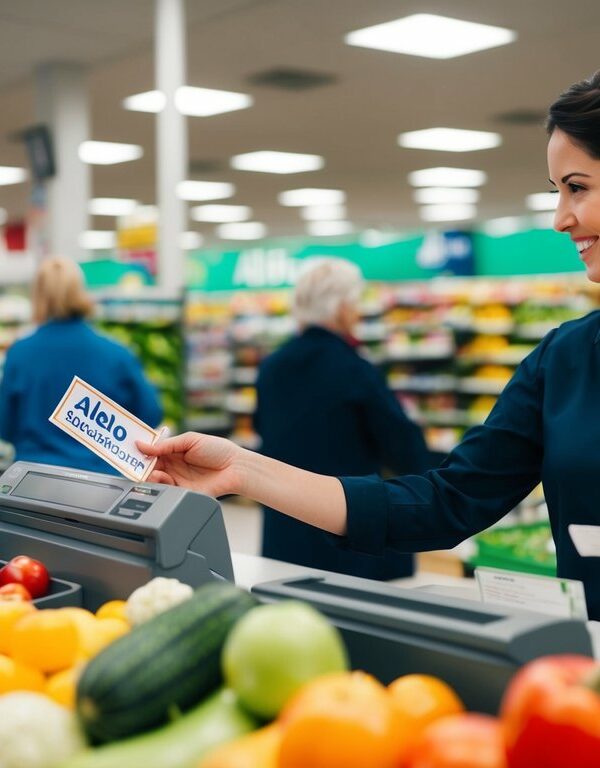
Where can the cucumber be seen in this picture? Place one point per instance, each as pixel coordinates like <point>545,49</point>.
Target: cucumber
<point>180,744</point>
<point>165,665</point>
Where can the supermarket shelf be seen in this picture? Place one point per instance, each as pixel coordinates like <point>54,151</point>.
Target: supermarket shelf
<point>408,354</point>
<point>440,383</point>
<point>244,375</point>
<point>534,330</point>
<point>246,441</point>
<point>449,418</point>
<point>208,423</point>
<point>194,384</point>
<point>506,357</point>
<point>480,386</point>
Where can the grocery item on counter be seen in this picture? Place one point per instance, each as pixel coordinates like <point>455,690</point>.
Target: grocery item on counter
<point>158,595</point>
<point>171,660</point>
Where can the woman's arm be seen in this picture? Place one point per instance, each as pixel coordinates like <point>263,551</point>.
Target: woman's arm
<point>217,467</point>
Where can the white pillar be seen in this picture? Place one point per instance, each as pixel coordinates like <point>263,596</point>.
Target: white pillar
<point>61,103</point>
<point>171,141</point>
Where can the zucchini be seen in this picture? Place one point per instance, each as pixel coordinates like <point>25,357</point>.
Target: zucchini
<point>180,744</point>
<point>162,666</point>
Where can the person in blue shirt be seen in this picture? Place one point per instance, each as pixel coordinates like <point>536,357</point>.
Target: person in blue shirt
<point>544,427</point>
<point>39,368</point>
<point>322,407</point>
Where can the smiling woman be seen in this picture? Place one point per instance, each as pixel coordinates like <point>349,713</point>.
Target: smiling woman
<point>545,425</point>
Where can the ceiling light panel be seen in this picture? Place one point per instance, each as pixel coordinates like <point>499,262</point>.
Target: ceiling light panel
<point>447,177</point>
<point>204,102</point>
<point>311,196</point>
<point>221,213</point>
<point>329,228</point>
<point>204,190</point>
<point>432,36</point>
<point>450,139</point>
<point>12,175</point>
<point>542,201</point>
<point>447,212</point>
<point>149,101</point>
<point>323,212</point>
<point>108,152</point>
<point>444,195</point>
<point>111,206</point>
<point>247,230</point>
<point>277,162</point>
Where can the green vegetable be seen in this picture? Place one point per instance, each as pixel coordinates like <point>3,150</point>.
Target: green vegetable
<point>171,661</point>
<point>180,744</point>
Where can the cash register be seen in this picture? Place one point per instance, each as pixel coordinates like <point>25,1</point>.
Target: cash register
<point>108,534</point>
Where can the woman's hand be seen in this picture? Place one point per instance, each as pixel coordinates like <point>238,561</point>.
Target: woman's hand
<point>199,462</point>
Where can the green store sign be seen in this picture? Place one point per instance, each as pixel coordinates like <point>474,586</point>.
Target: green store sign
<point>416,257</point>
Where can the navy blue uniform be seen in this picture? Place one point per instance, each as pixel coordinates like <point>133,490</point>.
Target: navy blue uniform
<point>325,409</point>
<point>545,427</point>
<point>37,371</point>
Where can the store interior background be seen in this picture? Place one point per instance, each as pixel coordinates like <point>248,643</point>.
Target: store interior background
<point>446,343</point>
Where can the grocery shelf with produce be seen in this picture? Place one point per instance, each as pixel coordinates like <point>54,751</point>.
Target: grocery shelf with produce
<point>150,324</point>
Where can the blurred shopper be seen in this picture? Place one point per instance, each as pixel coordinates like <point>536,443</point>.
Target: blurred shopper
<point>324,408</point>
<point>39,368</point>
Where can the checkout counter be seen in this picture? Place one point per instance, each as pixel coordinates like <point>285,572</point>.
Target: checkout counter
<point>105,536</point>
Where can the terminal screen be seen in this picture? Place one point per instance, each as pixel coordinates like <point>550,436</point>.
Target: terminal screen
<point>97,497</point>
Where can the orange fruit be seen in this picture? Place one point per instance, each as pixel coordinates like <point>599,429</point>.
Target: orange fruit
<point>113,609</point>
<point>62,686</point>
<point>19,677</point>
<point>86,625</point>
<point>47,640</point>
<point>10,613</point>
<point>258,749</point>
<point>340,720</point>
<point>420,700</point>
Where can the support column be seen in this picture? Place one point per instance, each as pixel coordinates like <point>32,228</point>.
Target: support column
<point>61,102</point>
<point>171,142</point>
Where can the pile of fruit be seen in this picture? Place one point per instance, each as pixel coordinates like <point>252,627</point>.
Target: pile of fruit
<point>211,679</point>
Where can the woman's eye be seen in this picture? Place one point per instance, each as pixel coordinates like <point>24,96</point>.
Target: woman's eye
<point>575,187</point>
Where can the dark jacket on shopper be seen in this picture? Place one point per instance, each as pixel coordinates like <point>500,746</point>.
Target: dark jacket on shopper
<point>37,371</point>
<point>325,409</point>
<point>545,427</point>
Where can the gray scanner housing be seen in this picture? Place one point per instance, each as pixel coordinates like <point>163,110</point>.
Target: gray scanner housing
<point>110,534</point>
<point>391,631</point>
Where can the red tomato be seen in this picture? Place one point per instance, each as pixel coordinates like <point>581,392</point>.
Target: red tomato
<point>32,574</point>
<point>14,591</point>
<point>460,741</point>
<point>551,714</point>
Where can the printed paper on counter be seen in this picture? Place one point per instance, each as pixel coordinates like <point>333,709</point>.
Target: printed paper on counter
<point>542,594</point>
<point>586,539</point>
<point>105,428</point>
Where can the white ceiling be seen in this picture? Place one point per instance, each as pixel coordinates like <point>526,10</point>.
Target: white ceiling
<point>353,122</point>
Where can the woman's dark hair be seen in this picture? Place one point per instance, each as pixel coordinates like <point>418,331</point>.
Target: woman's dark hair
<point>576,112</point>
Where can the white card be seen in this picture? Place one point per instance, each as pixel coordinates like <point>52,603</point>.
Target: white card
<point>542,594</point>
<point>586,539</point>
<point>105,428</point>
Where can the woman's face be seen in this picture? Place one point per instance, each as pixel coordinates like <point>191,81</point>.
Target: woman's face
<point>576,177</point>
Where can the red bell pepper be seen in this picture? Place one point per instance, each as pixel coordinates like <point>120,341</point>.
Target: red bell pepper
<point>551,714</point>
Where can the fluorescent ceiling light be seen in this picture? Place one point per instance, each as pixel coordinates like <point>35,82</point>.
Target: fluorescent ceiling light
<point>425,34</point>
<point>97,240</point>
<point>447,212</point>
<point>108,152</point>
<point>447,177</point>
<point>221,213</point>
<point>189,241</point>
<point>277,162</point>
<point>542,201</point>
<point>449,139</point>
<point>543,220</point>
<point>323,212</point>
<point>149,101</point>
<point>329,228</point>
<point>203,102</point>
<point>247,230</point>
<point>503,226</point>
<point>111,206</point>
<point>442,195</point>
<point>12,175</point>
<point>204,190</point>
<point>308,196</point>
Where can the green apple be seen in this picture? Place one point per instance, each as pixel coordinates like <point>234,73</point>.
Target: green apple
<point>274,649</point>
